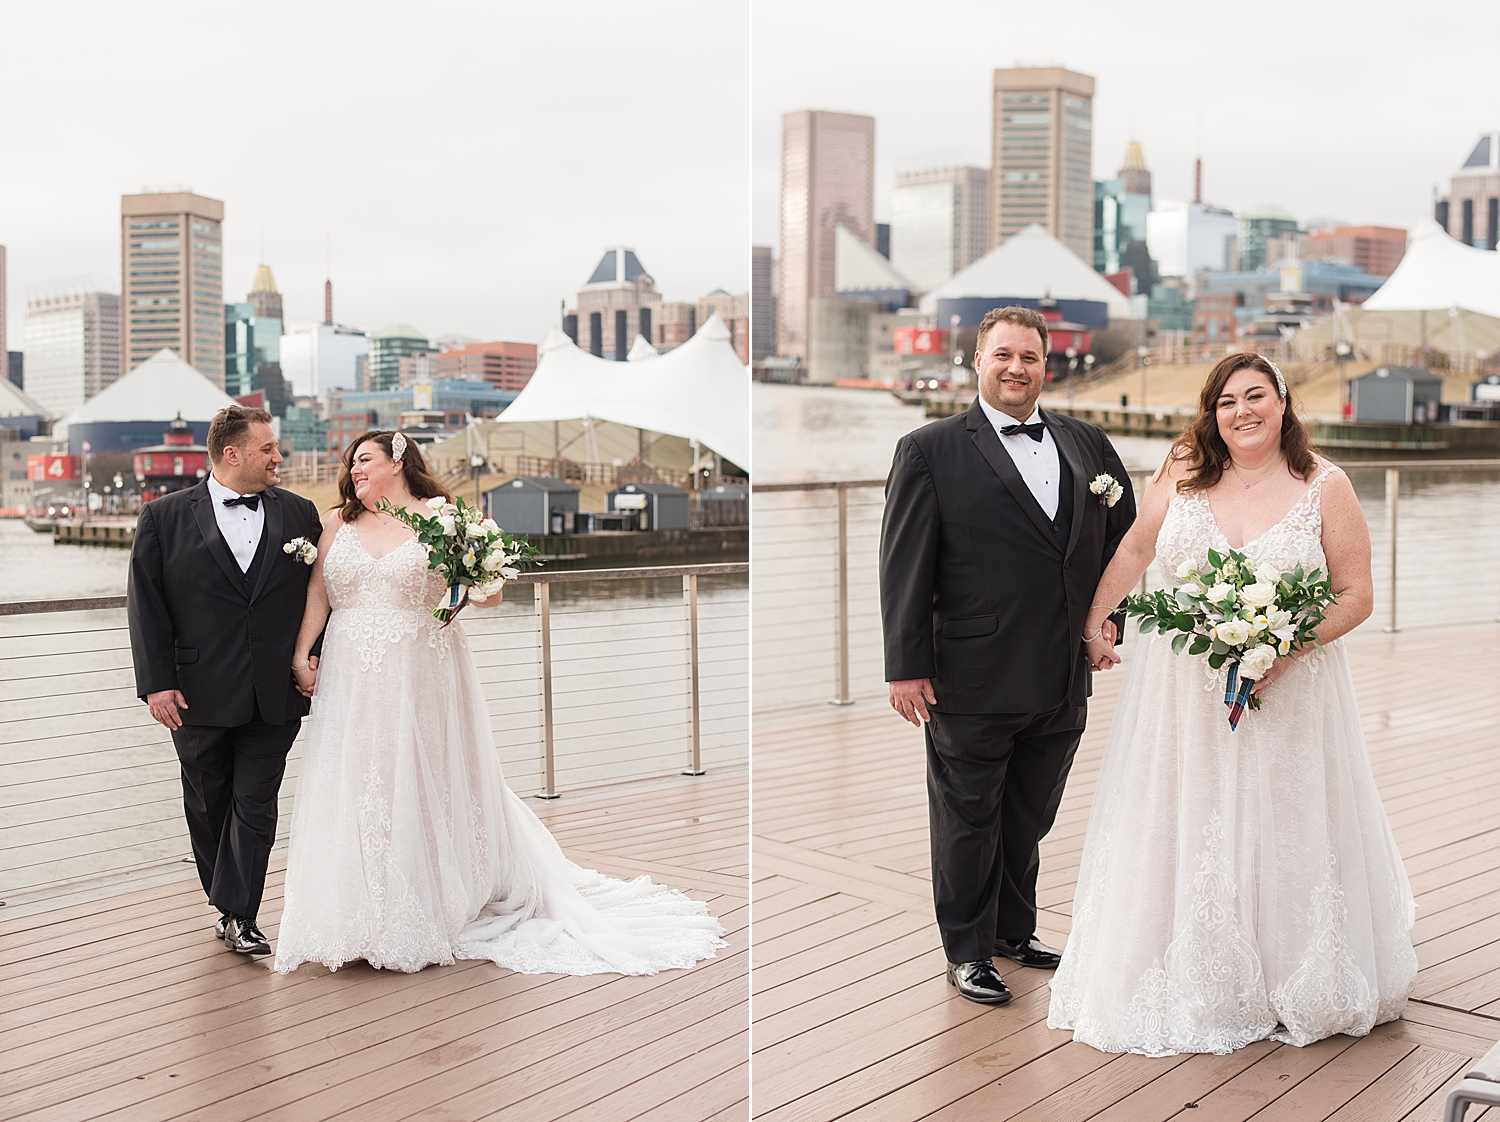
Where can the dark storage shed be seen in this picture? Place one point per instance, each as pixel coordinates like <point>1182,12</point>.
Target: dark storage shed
<point>534,504</point>
<point>662,506</point>
<point>1397,395</point>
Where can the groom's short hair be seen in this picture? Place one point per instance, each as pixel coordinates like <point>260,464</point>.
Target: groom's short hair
<point>229,426</point>
<point>1021,317</point>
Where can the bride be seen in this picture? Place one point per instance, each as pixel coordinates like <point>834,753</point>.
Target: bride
<point>1237,885</point>
<point>407,847</point>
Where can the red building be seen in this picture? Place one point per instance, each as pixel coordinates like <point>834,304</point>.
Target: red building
<point>343,428</point>
<point>1375,249</point>
<point>920,340</point>
<point>1214,318</point>
<point>506,366</point>
<point>175,463</point>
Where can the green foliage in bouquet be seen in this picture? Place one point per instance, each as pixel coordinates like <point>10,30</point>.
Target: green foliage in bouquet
<point>473,554</point>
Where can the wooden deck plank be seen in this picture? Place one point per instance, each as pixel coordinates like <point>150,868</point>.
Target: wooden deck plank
<point>124,1007</point>
<point>867,841</point>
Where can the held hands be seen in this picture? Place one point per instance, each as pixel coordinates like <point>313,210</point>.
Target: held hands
<point>1101,649</point>
<point>911,698</point>
<point>164,705</point>
<point>306,678</point>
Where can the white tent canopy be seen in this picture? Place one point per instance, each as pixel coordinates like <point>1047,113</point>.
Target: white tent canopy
<point>1438,273</point>
<point>858,267</point>
<point>1031,265</point>
<point>698,391</point>
<point>156,390</point>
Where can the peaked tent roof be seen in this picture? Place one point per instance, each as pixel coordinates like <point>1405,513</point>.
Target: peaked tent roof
<point>641,350</point>
<point>16,402</point>
<point>858,267</point>
<point>1440,272</point>
<point>698,391</point>
<point>1031,265</point>
<point>156,390</point>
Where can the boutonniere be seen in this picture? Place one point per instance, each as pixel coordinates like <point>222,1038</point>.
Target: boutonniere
<point>1108,488</point>
<point>305,551</point>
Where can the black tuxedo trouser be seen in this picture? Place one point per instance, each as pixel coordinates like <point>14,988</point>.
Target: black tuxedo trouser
<point>230,781</point>
<point>994,781</point>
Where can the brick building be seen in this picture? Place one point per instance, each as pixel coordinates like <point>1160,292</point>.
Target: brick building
<point>504,365</point>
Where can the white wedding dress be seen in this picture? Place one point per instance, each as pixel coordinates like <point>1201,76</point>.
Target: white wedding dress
<point>1235,885</point>
<point>407,847</point>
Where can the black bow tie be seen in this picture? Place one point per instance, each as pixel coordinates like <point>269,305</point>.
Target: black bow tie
<point>1034,431</point>
<point>253,501</point>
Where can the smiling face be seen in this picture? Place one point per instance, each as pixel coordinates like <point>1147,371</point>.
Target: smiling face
<point>1249,413</point>
<point>250,466</point>
<point>1012,366</point>
<point>375,475</point>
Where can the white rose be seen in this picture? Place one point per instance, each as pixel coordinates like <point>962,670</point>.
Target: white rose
<point>1115,494</point>
<point>288,547</point>
<point>1232,631</point>
<point>1258,595</point>
<point>1100,484</point>
<point>490,526</point>
<point>1268,574</point>
<point>1255,662</point>
<point>450,528</point>
<point>1191,587</point>
<point>436,502</point>
<point>309,553</point>
<point>1188,568</point>
<point>492,562</point>
<point>1221,592</point>
<point>474,530</point>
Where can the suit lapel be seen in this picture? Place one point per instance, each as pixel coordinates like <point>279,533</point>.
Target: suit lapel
<point>270,535</point>
<point>987,440</point>
<point>208,526</point>
<point>1067,447</point>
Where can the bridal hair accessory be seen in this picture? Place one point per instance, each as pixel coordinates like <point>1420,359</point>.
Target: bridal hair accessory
<point>1108,488</point>
<point>1280,381</point>
<point>398,446</point>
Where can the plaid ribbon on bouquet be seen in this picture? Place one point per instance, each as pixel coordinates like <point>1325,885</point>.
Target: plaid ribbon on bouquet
<point>1237,694</point>
<point>454,600</point>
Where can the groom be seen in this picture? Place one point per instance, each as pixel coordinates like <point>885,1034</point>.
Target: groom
<point>991,547</point>
<point>214,606</point>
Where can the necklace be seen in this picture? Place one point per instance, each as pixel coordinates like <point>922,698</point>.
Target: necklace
<point>1270,472</point>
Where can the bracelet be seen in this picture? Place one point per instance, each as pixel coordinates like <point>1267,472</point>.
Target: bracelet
<point>1095,635</point>
<point>304,666</point>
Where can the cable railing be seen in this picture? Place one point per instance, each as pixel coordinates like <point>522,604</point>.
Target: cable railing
<point>591,678</point>
<point>1434,533</point>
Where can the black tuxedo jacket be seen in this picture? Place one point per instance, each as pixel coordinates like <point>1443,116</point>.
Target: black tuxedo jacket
<point>977,590</point>
<point>198,626</point>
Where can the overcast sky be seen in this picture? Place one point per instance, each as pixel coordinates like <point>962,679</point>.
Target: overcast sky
<point>468,162</point>
<point>1350,111</point>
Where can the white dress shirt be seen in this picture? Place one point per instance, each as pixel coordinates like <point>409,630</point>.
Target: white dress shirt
<point>240,526</point>
<point>1036,460</point>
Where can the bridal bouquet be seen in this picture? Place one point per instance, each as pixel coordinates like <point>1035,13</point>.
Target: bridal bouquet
<point>474,555</point>
<point>1240,613</point>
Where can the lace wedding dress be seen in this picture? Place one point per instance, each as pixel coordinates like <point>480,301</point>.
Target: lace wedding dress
<point>407,847</point>
<point>1235,885</point>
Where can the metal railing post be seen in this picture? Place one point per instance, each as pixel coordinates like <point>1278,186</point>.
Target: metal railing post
<point>843,638</point>
<point>1392,502</point>
<point>544,637</point>
<point>690,607</point>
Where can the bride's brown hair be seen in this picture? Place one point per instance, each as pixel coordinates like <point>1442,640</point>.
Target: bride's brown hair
<point>1204,450</point>
<point>419,478</point>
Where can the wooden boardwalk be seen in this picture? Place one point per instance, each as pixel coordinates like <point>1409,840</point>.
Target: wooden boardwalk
<point>855,1020</point>
<point>126,1008</point>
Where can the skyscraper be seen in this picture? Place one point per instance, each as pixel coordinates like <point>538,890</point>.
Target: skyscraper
<point>1042,167</point>
<point>171,279</point>
<point>827,181</point>
<point>762,303</point>
<point>939,222</point>
<point>388,348</point>
<point>263,295</point>
<point>72,343</point>
<point>616,304</point>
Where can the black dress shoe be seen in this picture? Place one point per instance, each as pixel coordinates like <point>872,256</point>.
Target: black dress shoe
<point>241,934</point>
<point>1029,952</point>
<point>219,927</point>
<point>979,981</point>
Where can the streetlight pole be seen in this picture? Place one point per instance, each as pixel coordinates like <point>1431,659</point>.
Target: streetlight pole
<point>1343,349</point>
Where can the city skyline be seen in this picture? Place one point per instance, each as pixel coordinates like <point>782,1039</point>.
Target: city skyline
<point>1300,119</point>
<point>453,187</point>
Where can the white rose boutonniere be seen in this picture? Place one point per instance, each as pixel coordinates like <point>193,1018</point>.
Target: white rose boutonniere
<point>1108,488</point>
<point>304,550</point>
